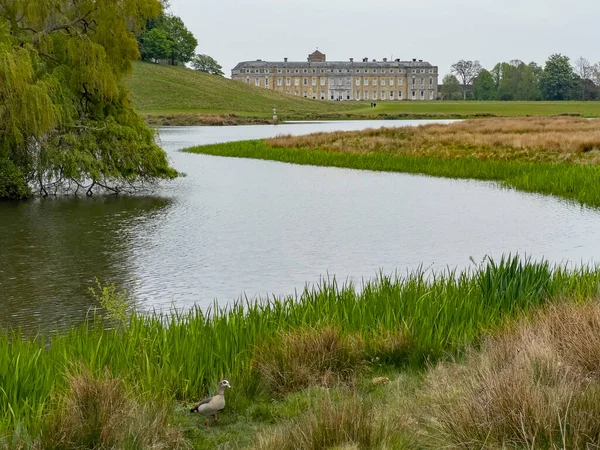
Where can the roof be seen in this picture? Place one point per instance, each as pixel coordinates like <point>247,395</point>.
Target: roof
<point>259,64</point>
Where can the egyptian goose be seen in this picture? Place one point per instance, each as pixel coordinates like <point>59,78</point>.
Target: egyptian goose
<point>210,406</point>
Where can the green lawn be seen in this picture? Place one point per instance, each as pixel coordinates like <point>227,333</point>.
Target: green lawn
<point>473,108</point>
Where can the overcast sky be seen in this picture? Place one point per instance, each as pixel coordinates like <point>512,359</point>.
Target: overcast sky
<point>439,31</point>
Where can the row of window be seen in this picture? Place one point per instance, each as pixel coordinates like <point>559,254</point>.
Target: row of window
<point>365,95</point>
<point>341,81</point>
<point>337,71</point>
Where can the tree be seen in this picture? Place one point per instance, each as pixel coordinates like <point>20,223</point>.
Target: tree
<point>519,81</point>
<point>167,38</point>
<point>66,123</point>
<point>182,42</point>
<point>596,74</point>
<point>558,78</point>
<point>484,86</point>
<point>155,45</point>
<point>586,90</point>
<point>466,71</point>
<point>450,87</point>
<point>206,64</point>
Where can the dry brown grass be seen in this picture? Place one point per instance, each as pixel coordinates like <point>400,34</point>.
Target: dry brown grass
<point>309,357</point>
<point>97,412</point>
<point>558,139</point>
<point>536,386</point>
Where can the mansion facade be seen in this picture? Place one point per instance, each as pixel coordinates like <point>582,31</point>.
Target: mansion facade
<point>343,80</point>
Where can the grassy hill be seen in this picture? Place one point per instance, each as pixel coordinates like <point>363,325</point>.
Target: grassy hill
<point>169,95</point>
<point>158,89</point>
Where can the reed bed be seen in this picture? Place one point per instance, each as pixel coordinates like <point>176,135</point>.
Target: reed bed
<point>182,354</point>
<point>534,139</point>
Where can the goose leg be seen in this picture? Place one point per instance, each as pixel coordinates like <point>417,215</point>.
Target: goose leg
<point>216,418</point>
<point>206,423</point>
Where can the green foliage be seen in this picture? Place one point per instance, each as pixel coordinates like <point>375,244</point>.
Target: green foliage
<point>115,303</point>
<point>558,78</point>
<point>65,120</point>
<point>519,81</point>
<point>155,44</point>
<point>207,64</point>
<point>12,181</point>
<point>484,86</point>
<point>167,38</point>
<point>450,87</point>
<point>183,43</point>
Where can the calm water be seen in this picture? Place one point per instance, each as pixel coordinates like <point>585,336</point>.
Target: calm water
<point>236,226</point>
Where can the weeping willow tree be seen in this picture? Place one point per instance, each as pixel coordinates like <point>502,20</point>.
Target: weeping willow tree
<point>66,122</point>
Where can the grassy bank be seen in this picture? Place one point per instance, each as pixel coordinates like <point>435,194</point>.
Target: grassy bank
<point>168,95</point>
<point>326,336</point>
<point>555,156</point>
<point>158,90</point>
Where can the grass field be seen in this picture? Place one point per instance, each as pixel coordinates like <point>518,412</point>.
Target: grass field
<point>96,386</point>
<point>180,96</point>
<point>157,89</point>
<point>556,156</point>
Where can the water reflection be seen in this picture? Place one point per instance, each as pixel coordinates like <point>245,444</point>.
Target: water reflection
<point>51,251</point>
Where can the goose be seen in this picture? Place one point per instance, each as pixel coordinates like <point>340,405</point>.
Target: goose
<point>210,406</point>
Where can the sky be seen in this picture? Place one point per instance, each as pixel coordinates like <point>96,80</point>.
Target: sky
<point>441,32</point>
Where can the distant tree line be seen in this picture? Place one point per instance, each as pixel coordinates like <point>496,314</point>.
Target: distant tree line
<point>516,80</point>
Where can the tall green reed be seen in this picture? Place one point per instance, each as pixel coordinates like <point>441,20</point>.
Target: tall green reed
<point>181,354</point>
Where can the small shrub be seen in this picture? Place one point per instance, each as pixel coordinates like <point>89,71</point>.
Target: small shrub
<point>114,303</point>
<point>309,357</point>
<point>535,386</point>
<point>97,413</point>
<point>346,422</point>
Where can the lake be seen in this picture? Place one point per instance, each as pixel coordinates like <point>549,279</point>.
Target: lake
<point>235,227</point>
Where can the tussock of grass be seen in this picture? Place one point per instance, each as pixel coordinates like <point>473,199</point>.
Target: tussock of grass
<point>536,385</point>
<point>343,421</point>
<point>307,357</point>
<point>98,412</point>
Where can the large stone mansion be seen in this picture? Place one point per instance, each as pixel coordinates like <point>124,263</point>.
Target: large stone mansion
<point>343,80</point>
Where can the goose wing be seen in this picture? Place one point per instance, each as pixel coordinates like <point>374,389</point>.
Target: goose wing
<point>201,402</point>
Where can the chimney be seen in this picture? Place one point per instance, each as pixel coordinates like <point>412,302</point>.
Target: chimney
<point>365,59</point>
<point>351,59</point>
<point>374,60</point>
<point>420,60</point>
<point>285,59</point>
<point>384,59</point>
<point>414,59</point>
<point>397,59</point>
